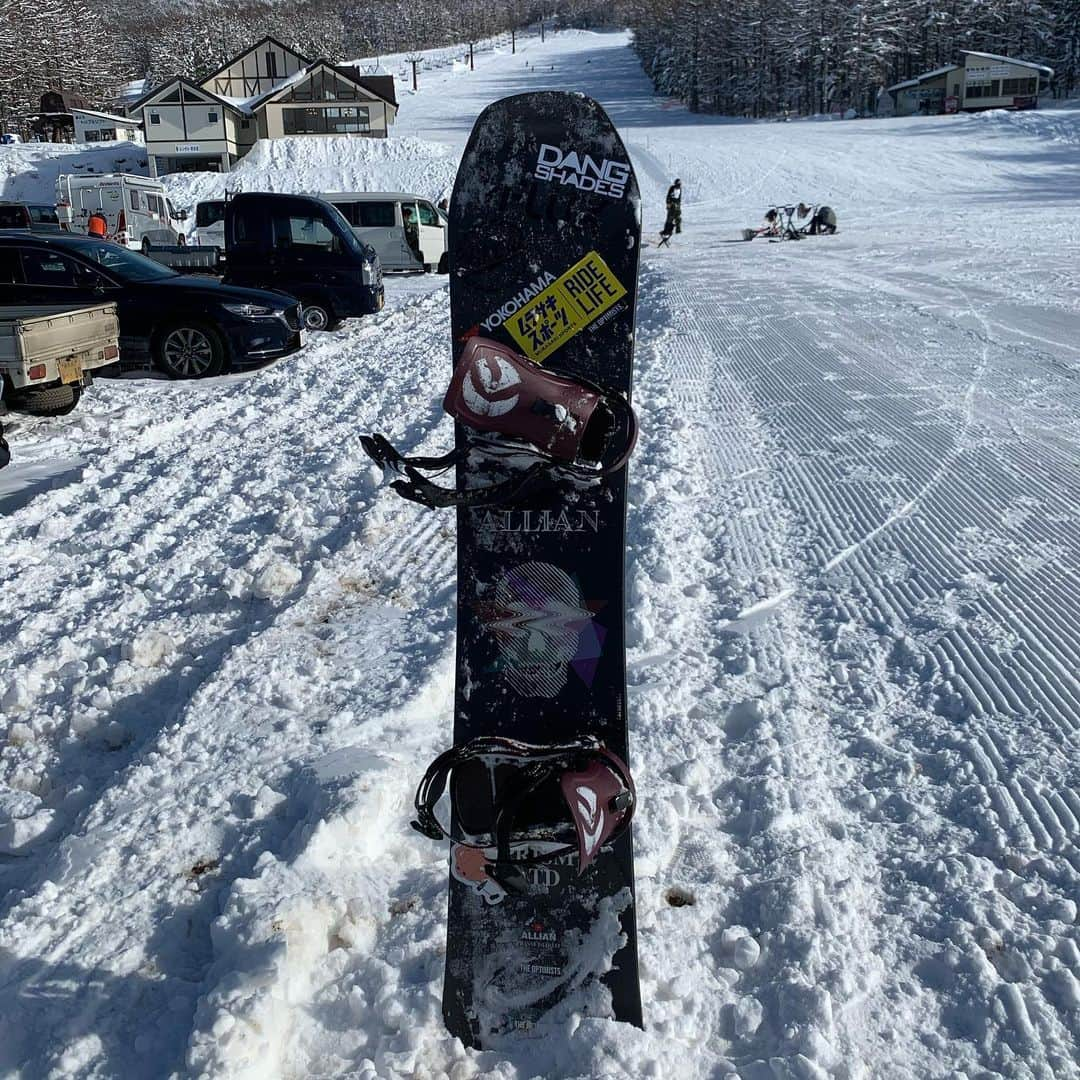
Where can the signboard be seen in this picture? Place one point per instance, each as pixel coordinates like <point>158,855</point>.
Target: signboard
<point>187,148</point>
<point>952,104</point>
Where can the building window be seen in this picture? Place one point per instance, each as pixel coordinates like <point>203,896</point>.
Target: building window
<point>1019,86</point>
<point>271,64</point>
<point>986,88</point>
<point>323,86</point>
<point>155,118</point>
<point>245,123</point>
<point>349,120</point>
<point>92,136</point>
<point>212,117</point>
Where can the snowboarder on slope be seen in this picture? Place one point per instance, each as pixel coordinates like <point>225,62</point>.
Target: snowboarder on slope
<point>674,210</point>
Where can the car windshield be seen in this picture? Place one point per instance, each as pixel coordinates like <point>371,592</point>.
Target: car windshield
<point>124,264</point>
<point>345,233</point>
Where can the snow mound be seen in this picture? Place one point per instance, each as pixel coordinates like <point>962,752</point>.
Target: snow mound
<point>304,165</point>
<point>28,171</point>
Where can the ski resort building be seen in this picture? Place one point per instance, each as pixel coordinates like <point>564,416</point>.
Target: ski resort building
<point>982,81</point>
<point>267,92</point>
<point>93,126</point>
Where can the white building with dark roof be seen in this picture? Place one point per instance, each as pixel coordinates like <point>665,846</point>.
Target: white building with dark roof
<point>93,126</point>
<point>982,81</point>
<point>267,92</point>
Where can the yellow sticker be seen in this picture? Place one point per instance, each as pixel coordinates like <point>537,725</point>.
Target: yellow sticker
<point>565,307</point>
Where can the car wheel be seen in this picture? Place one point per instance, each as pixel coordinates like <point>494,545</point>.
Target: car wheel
<point>318,316</point>
<point>189,351</point>
<point>146,245</point>
<point>181,240</point>
<point>54,401</point>
<point>444,264</point>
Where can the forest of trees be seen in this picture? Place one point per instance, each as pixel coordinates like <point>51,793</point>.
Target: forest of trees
<point>92,47</point>
<point>763,57</point>
<point>754,57</point>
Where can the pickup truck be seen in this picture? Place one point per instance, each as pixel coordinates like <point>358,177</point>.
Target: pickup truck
<point>47,354</point>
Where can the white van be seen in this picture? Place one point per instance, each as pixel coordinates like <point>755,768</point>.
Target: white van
<point>135,207</point>
<point>405,230</point>
<point>210,224</point>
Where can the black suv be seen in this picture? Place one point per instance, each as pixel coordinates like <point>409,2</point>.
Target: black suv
<point>190,327</point>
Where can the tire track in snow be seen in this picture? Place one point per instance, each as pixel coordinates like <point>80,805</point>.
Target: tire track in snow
<point>85,711</point>
<point>361,637</point>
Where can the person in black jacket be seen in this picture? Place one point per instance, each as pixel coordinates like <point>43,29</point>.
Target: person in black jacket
<point>824,221</point>
<point>674,210</point>
<point>5,451</point>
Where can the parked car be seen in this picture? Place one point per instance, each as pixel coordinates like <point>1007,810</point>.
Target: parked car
<point>47,354</point>
<point>32,216</point>
<point>188,327</point>
<point>210,224</point>
<point>9,138</point>
<point>406,231</point>
<point>302,246</point>
<point>136,208</point>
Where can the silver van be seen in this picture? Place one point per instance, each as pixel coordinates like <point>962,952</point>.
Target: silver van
<point>405,230</point>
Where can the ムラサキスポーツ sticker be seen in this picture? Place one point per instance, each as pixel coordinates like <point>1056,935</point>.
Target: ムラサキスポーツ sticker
<point>566,307</point>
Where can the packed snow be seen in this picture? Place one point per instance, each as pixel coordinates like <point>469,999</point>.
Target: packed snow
<point>226,651</point>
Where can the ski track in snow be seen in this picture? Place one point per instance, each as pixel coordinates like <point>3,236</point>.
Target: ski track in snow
<point>226,654</point>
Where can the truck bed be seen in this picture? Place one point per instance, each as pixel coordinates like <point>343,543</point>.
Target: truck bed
<point>46,334</point>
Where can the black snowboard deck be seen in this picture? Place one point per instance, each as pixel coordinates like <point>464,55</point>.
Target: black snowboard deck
<point>544,246</point>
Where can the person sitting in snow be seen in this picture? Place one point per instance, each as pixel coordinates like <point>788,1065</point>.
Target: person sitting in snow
<point>803,217</point>
<point>815,220</point>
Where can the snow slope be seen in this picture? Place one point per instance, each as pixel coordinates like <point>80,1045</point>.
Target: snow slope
<point>226,653</point>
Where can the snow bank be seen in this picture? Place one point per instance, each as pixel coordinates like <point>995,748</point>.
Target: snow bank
<point>336,163</point>
<point>28,171</point>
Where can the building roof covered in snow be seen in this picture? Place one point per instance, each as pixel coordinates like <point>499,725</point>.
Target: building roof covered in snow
<point>1008,60</point>
<point>121,121</point>
<point>926,76</point>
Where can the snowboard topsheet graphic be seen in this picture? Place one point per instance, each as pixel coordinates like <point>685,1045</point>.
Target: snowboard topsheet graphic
<point>544,239</point>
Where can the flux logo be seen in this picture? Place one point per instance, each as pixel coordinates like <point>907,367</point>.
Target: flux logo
<point>488,389</point>
<point>582,171</point>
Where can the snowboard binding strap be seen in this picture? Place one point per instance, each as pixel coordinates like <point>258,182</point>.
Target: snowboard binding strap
<point>533,423</point>
<point>595,784</point>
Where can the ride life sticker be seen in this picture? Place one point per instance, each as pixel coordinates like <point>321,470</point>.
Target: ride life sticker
<point>566,307</point>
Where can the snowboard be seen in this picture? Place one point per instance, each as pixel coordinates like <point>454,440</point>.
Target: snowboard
<point>544,238</point>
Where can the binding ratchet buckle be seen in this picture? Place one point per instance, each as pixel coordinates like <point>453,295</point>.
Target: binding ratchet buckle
<point>525,423</point>
<point>595,785</point>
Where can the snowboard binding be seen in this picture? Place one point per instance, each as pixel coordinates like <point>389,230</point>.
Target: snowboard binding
<point>595,785</point>
<point>529,423</point>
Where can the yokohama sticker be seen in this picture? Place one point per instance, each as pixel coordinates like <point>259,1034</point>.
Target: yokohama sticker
<point>566,307</point>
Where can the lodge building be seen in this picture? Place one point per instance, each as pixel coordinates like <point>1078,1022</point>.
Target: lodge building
<point>267,92</point>
<point>982,81</point>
